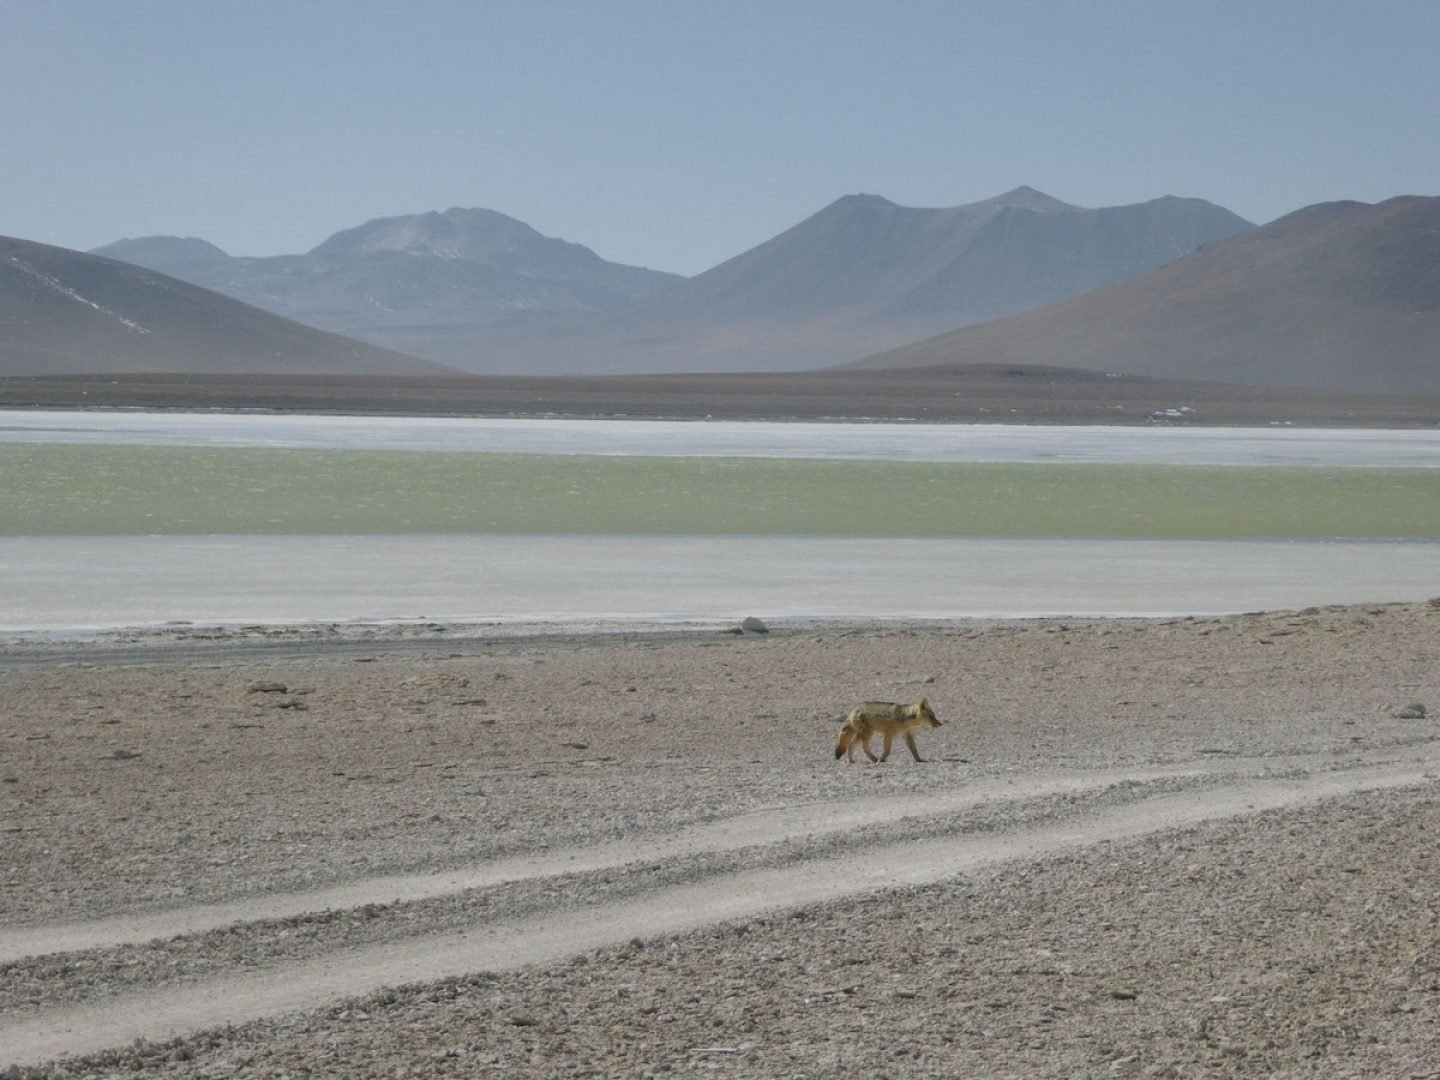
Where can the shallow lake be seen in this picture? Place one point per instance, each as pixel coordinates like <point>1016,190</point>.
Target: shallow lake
<point>130,518</point>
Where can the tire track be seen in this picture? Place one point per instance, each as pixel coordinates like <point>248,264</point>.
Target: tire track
<point>515,943</point>
<point>768,826</point>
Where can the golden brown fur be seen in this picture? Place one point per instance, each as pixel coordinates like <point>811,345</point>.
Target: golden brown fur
<point>887,719</point>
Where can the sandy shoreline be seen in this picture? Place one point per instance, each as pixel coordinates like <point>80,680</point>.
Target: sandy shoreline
<point>172,771</point>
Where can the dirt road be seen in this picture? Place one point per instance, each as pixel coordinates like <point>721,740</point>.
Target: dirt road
<point>734,895</point>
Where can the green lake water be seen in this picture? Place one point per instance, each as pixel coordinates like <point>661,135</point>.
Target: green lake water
<point>81,490</point>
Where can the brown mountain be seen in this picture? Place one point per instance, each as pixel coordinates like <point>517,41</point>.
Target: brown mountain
<point>66,312</point>
<point>1339,295</point>
<point>862,274</point>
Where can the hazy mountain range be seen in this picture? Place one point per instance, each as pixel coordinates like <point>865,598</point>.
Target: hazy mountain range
<point>1339,295</point>
<point>486,293</point>
<point>422,283</point>
<point>1343,295</point>
<point>865,274</point>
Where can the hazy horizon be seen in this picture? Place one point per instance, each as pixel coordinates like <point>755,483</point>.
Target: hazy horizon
<point>675,136</point>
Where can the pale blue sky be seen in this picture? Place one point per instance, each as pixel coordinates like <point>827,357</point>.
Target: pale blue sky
<point>677,133</point>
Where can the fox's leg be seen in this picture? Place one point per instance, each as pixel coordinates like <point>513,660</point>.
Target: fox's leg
<point>885,753</point>
<point>910,742</point>
<point>865,745</point>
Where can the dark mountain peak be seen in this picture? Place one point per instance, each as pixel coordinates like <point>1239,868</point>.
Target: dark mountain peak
<point>473,234</point>
<point>1426,202</point>
<point>1314,220</point>
<point>162,252</point>
<point>1192,221</point>
<point>476,220</point>
<point>1334,208</point>
<point>1182,203</point>
<point>863,201</point>
<point>849,208</point>
<point>1025,197</point>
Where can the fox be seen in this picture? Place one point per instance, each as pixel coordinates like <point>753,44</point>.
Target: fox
<point>883,718</point>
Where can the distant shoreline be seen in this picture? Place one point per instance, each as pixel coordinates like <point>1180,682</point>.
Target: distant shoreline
<point>967,394</point>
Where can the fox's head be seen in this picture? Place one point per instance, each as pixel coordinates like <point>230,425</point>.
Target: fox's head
<point>926,713</point>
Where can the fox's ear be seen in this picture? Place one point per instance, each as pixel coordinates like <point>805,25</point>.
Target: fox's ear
<point>924,703</point>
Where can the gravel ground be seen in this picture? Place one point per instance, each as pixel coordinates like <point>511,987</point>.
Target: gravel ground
<point>153,774</point>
